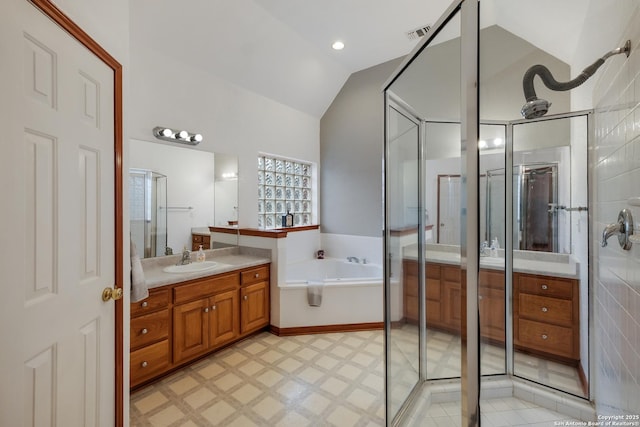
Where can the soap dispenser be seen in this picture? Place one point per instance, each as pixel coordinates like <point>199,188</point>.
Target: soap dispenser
<point>201,256</point>
<point>494,247</point>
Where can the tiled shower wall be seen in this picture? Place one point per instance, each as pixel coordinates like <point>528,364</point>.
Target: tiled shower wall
<point>616,179</point>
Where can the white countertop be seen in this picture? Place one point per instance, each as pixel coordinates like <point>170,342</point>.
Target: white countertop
<point>557,265</point>
<point>226,259</point>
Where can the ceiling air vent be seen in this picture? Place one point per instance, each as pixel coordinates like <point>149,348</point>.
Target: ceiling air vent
<point>418,32</point>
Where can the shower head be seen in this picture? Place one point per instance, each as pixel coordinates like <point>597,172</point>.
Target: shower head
<point>538,107</point>
<point>535,108</point>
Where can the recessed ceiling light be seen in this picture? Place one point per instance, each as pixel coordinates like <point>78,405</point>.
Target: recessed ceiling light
<point>338,45</point>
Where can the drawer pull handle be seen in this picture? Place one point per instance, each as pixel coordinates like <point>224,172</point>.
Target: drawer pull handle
<point>545,287</point>
<point>213,307</point>
<point>144,331</point>
<point>246,297</point>
<point>206,310</point>
<point>545,336</point>
<point>144,364</point>
<point>144,304</point>
<point>545,309</point>
<point>257,275</point>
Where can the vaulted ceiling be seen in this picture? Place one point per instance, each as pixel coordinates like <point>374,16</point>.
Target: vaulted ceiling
<point>281,49</point>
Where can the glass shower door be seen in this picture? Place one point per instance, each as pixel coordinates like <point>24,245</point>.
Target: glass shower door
<point>402,284</point>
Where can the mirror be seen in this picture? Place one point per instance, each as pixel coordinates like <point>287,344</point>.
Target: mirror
<point>200,190</point>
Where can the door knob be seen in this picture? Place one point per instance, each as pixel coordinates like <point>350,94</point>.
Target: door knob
<point>111,293</point>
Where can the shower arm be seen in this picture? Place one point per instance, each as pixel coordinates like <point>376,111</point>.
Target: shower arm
<point>550,82</point>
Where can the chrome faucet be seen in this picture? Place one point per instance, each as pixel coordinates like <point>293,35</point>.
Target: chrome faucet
<point>623,228</point>
<point>353,259</point>
<point>611,230</point>
<point>186,257</point>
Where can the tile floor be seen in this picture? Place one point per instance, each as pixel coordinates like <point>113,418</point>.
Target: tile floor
<point>308,380</point>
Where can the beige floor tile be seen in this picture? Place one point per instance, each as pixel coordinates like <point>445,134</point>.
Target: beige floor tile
<point>166,417</point>
<point>327,362</point>
<point>241,421</point>
<point>234,358</point>
<point>343,417</point>
<point>150,402</point>
<point>306,353</point>
<point>267,407</point>
<point>211,370</point>
<point>228,381</point>
<point>251,368</point>
<point>289,365</point>
<point>199,397</point>
<point>361,398</point>
<point>218,412</point>
<point>183,385</point>
<point>334,386</point>
<point>310,375</point>
<point>270,378</point>
<point>349,371</point>
<point>293,419</point>
<point>316,403</point>
<point>246,393</point>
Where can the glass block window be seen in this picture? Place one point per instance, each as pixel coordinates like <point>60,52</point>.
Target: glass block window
<point>283,186</point>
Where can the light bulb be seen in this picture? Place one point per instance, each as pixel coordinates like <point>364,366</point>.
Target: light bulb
<point>338,45</point>
<point>166,132</point>
<point>482,144</point>
<point>183,134</point>
<point>196,138</point>
<point>497,142</point>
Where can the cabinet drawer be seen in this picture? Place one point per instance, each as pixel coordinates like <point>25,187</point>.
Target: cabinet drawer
<point>546,286</point>
<point>158,298</point>
<point>149,328</point>
<point>149,361</point>
<point>254,275</point>
<point>491,279</point>
<point>546,338</point>
<point>545,309</point>
<point>205,287</point>
<point>197,238</point>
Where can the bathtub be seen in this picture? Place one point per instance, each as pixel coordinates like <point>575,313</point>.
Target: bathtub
<point>352,295</point>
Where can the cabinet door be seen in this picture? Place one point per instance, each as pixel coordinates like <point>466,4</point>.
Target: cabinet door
<point>492,313</point>
<point>224,319</point>
<point>254,306</point>
<point>452,309</point>
<point>190,326</point>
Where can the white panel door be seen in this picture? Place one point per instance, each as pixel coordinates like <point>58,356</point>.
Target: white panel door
<point>57,227</point>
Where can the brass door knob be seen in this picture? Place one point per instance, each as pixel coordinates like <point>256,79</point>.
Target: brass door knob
<point>111,293</point>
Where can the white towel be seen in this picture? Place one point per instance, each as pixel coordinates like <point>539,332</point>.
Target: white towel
<point>139,290</point>
<point>314,293</point>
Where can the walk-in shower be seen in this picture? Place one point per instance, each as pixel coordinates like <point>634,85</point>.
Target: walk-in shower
<point>513,320</point>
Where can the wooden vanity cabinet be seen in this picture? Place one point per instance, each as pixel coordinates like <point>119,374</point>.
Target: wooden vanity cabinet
<point>205,315</point>
<point>150,336</point>
<point>546,316</point>
<point>546,319</point>
<point>254,299</point>
<point>182,322</point>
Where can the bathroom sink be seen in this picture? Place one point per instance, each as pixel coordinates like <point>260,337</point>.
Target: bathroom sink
<point>194,267</point>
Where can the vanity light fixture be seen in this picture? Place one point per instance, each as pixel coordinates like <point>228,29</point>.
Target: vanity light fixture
<point>482,144</point>
<point>181,136</point>
<point>337,45</point>
<point>230,175</point>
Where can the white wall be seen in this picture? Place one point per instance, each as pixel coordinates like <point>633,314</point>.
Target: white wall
<point>232,120</point>
<point>190,183</point>
<point>616,163</point>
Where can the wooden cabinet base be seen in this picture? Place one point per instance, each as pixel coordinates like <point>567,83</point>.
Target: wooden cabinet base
<point>187,321</point>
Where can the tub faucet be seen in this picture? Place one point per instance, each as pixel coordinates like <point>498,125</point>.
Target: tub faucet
<point>353,259</point>
<point>610,230</point>
<point>186,257</point>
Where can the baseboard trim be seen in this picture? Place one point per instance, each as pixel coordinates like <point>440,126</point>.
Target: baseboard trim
<point>325,329</point>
